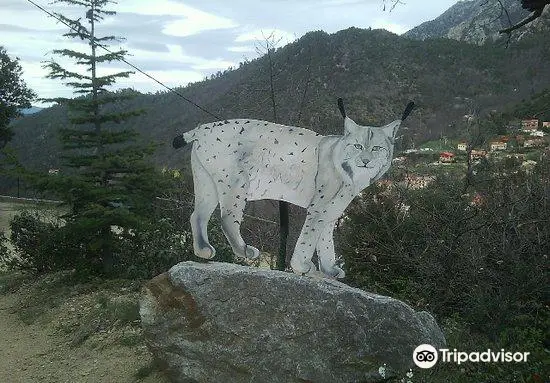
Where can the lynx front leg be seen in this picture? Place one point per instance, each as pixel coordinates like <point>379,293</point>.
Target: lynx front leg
<point>206,200</point>
<point>326,254</point>
<point>232,209</point>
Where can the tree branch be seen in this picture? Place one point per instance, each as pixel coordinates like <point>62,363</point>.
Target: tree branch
<point>536,14</point>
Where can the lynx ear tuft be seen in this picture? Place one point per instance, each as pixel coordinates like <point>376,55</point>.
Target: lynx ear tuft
<point>341,107</point>
<point>408,110</point>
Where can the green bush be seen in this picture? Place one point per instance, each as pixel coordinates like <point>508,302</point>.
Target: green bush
<point>484,262</point>
<point>40,245</point>
<point>4,251</point>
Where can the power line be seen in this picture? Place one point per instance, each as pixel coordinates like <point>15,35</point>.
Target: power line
<point>127,62</point>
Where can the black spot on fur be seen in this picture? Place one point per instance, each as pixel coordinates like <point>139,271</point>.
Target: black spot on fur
<point>303,150</point>
<point>242,130</point>
<point>226,122</point>
<point>276,141</point>
<point>218,139</point>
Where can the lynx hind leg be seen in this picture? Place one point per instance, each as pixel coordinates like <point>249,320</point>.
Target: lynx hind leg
<point>326,254</point>
<point>232,204</point>
<point>206,200</point>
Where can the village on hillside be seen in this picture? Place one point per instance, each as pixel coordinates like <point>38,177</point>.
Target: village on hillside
<point>524,144</point>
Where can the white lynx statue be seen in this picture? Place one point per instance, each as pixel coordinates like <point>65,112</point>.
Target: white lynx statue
<point>236,161</point>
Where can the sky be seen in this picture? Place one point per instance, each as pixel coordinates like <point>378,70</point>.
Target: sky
<point>183,41</point>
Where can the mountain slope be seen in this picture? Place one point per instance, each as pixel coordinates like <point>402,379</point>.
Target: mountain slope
<point>478,22</point>
<point>376,72</point>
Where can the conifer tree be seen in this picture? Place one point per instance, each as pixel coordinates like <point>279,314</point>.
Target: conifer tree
<point>105,180</point>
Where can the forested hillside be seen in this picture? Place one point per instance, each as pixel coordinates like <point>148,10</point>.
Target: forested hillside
<point>375,71</point>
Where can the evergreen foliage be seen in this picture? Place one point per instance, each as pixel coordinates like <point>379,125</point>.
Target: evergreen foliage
<point>105,178</point>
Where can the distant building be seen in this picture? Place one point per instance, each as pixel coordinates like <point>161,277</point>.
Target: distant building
<point>446,157</point>
<point>399,159</point>
<point>534,143</point>
<point>546,124</point>
<point>498,145</point>
<point>462,146</point>
<point>416,182</point>
<point>53,172</point>
<point>517,156</point>
<point>477,154</point>
<point>537,133</point>
<point>529,125</point>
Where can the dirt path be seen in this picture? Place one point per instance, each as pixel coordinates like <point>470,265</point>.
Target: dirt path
<point>36,353</point>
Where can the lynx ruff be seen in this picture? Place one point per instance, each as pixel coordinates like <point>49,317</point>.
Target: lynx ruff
<point>235,161</point>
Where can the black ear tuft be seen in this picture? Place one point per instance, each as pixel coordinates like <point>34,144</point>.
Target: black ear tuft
<point>341,107</point>
<point>408,110</point>
<point>178,142</point>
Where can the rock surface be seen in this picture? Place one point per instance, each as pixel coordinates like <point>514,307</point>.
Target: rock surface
<point>479,21</point>
<point>220,322</point>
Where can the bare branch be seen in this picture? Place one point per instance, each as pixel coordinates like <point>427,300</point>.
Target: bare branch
<point>536,14</point>
<point>393,5</point>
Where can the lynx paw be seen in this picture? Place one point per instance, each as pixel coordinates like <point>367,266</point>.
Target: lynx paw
<point>207,252</point>
<point>335,272</point>
<point>251,252</point>
<point>303,268</point>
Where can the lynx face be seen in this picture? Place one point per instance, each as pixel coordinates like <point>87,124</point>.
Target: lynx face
<point>367,151</point>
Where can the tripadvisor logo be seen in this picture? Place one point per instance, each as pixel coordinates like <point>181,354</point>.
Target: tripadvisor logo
<point>426,356</point>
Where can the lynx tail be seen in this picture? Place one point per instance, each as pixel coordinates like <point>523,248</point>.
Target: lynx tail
<point>408,110</point>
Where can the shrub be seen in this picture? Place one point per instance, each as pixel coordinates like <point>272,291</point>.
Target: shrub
<point>43,245</point>
<point>4,251</point>
<point>485,263</point>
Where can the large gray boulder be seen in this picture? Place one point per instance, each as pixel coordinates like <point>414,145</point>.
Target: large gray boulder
<point>220,322</point>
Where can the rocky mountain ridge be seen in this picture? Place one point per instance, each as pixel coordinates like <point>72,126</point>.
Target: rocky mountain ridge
<point>479,22</point>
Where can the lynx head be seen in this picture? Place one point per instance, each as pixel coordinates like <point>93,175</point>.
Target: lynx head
<point>365,152</point>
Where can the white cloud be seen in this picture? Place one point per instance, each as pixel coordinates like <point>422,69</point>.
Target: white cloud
<point>193,20</point>
<point>389,26</point>
<point>241,49</point>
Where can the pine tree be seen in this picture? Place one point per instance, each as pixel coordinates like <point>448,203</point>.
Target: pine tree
<point>106,180</point>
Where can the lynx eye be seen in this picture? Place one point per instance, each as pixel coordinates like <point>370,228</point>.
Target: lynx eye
<point>376,148</point>
<point>358,146</point>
